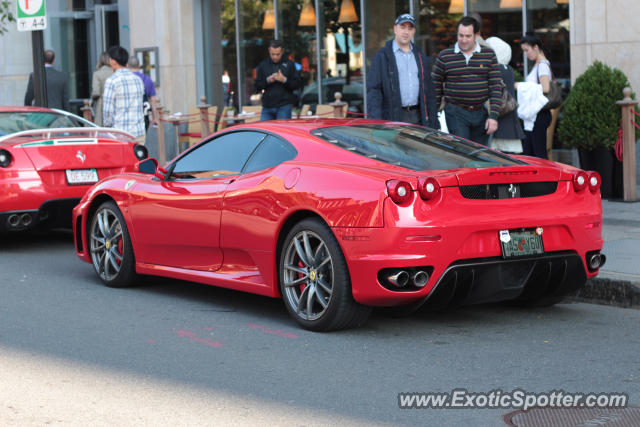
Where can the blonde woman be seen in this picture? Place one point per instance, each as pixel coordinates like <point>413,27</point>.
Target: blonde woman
<point>102,73</point>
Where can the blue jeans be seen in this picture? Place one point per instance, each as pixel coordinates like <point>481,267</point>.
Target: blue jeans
<point>467,124</point>
<point>273,113</point>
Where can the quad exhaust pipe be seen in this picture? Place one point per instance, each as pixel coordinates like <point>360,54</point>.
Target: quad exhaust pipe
<point>26,219</point>
<point>402,278</point>
<point>20,220</point>
<point>596,261</point>
<point>420,279</point>
<point>14,220</point>
<point>399,279</point>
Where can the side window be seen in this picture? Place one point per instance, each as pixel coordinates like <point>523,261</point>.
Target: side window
<point>271,152</point>
<point>225,155</point>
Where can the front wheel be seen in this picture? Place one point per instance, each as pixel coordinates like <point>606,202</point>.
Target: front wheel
<point>110,247</point>
<point>314,279</point>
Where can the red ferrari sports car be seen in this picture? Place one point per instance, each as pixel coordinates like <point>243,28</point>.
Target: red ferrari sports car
<point>336,216</point>
<point>48,160</point>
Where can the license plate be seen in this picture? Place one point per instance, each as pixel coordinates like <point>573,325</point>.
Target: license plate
<point>82,176</point>
<point>516,243</point>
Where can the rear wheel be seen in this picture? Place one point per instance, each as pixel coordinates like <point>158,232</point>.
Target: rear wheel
<point>110,247</point>
<point>314,279</point>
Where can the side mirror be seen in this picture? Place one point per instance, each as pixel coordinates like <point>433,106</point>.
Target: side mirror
<point>161,173</point>
<point>148,165</point>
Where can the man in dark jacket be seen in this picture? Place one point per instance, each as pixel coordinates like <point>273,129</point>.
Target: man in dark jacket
<point>277,77</point>
<point>399,85</point>
<point>57,89</point>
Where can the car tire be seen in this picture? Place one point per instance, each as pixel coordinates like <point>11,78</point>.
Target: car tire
<point>110,247</point>
<point>314,279</point>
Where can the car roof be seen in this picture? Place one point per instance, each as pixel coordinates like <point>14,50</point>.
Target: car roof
<point>308,125</point>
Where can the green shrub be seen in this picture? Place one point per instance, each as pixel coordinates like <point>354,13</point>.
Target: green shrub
<point>591,117</point>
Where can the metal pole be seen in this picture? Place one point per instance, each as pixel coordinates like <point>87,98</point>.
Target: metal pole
<point>319,33</point>
<point>239,61</point>
<point>39,79</point>
<point>276,20</point>
<point>524,32</point>
<point>363,40</point>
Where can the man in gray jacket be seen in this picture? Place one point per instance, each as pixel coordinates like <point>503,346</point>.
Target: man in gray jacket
<point>57,87</point>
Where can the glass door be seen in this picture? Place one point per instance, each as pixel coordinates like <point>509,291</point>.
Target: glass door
<point>106,27</point>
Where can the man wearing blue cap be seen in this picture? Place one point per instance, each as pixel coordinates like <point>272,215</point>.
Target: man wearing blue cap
<point>399,85</point>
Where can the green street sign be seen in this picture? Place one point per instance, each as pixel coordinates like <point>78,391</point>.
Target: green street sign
<point>31,15</point>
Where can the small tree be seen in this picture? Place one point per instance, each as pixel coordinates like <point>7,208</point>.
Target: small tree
<point>5,15</point>
<point>591,118</point>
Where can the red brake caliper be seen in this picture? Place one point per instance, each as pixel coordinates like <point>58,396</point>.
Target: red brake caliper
<point>120,249</point>
<point>303,285</point>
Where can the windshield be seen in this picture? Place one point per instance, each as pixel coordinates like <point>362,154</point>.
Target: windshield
<point>13,122</point>
<point>413,147</point>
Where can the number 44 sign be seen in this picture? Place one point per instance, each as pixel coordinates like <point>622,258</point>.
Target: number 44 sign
<point>31,15</point>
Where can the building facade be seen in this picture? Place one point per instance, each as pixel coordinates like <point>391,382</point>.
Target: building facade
<point>187,45</point>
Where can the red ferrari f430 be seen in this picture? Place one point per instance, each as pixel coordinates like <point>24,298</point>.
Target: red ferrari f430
<point>338,216</point>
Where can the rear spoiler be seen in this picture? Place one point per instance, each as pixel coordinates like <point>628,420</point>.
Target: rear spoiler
<point>90,132</point>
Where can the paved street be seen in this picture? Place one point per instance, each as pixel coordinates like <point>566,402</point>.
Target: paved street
<point>73,352</point>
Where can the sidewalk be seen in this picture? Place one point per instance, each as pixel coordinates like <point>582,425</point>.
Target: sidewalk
<point>618,282</point>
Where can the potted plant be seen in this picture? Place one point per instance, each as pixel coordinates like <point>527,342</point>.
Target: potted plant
<point>591,120</point>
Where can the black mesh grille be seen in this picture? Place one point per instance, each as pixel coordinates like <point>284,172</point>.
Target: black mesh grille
<point>508,191</point>
<point>495,279</point>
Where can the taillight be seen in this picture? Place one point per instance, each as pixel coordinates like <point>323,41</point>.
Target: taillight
<point>5,158</point>
<point>140,151</point>
<point>428,188</point>
<point>399,191</point>
<point>580,181</point>
<point>594,181</point>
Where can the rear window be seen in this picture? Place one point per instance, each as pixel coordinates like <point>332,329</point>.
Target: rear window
<point>13,122</point>
<point>413,147</point>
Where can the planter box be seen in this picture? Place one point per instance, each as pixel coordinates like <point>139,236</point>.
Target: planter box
<point>566,156</point>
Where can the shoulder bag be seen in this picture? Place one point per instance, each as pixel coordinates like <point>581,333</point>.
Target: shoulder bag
<point>508,103</point>
<point>555,91</point>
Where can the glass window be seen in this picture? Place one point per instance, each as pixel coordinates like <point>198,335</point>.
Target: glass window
<point>19,121</point>
<point>221,156</point>
<point>550,21</point>
<point>298,34</point>
<point>381,15</point>
<point>256,25</point>
<point>437,25</point>
<point>413,147</point>
<point>341,53</point>
<point>503,21</point>
<point>548,18</point>
<point>271,152</point>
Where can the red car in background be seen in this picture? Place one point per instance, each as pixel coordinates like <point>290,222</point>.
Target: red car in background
<point>48,160</point>
<point>336,216</point>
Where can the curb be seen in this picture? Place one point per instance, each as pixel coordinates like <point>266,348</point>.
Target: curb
<point>610,289</point>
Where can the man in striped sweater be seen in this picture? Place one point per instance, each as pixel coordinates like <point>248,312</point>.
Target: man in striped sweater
<point>467,75</point>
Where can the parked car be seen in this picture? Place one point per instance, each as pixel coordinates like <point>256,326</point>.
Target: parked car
<point>337,215</point>
<point>352,93</point>
<point>48,160</point>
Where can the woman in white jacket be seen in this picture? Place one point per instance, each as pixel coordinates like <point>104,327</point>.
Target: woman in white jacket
<point>535,141</point>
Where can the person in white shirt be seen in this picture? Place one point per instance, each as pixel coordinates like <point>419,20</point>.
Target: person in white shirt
<point>535,141</point>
